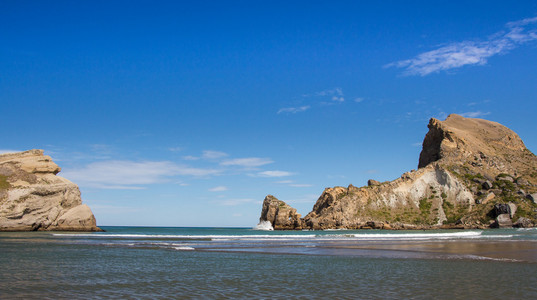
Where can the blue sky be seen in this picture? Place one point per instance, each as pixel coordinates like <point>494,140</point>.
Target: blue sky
<point>190,113</point>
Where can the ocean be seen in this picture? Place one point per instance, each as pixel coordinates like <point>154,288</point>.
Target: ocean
<point>244,263</point>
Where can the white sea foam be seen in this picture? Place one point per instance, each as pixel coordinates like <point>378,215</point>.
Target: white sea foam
<point>479,257</point>
<point>183,248</point>
<point>443,235</point>
<point>213,237</point>
<point>505,236</point>
<point>305,237</point>
<point>264,225</point>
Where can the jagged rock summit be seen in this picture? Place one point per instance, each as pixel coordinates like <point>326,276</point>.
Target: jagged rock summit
<point>472,173</point>
<point>279,214</point>
<point>33,197</point>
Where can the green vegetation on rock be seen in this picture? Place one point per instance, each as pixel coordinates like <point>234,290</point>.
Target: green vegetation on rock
<point>4,184</point>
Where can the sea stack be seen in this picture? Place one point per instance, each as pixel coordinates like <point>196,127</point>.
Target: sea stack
<point>467,169</point>
<point>33,197</point>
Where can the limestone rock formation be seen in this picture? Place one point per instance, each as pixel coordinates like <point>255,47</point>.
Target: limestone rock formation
<point>279,214</point>
<point>33,197</point>
<point>466,167</point>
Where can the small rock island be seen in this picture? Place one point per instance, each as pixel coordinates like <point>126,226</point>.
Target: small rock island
<point>472,173</point>
<point>33,197</point>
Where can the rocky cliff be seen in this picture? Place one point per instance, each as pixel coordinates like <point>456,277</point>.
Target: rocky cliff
<point>33,197</point>
<point>472,173</point>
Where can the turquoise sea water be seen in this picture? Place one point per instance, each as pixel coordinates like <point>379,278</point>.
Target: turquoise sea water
<point>226,263</point>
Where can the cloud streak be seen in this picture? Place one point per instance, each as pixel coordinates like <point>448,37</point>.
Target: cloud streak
<point>274,174</point>
<point>293,110</point>
<point>248,162</point>
<point>474,114</point>
<point>120,174</point>
<point>219,188</point>
<point>456,55</point>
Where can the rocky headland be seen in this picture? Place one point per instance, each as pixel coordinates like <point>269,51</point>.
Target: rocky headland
<point>472,173</point>
<point>33,197</point>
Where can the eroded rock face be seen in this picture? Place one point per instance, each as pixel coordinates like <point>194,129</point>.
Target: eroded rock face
<point>33,197</point>
<point>486,146</point>
<point>423,197</point>
<point>279,214</point>
<point>467,167</point>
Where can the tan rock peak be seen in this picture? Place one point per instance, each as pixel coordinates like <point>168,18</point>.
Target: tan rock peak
<point>459,139</point>
<point>33,197</point>
<point>32,161</point>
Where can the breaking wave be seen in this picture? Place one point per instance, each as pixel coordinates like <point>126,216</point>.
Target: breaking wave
<point>287,236</point>
<point>264,225</point>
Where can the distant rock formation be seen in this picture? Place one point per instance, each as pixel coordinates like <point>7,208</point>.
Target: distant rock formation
<point>279,214</point>
<point>33,197</point>
<point>466,168</point>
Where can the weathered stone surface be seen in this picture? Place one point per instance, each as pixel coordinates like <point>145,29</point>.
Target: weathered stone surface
<point>501,208</point>
<point>341,207</point>
<point>512,209</point>
<point>532,197</point>
<point>487,185</point>
<point>503,221</point>
<point>489,197</point>
<point>469,140</point>
<point>372,182</point>
<point>33,197</point>
<point>461,157</point>
<point>522,181</point>
<point>505,178</point>
<point>523,223</point>
<point>279,214</point>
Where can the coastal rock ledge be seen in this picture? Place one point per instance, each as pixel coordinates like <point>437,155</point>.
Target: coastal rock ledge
<point>472,173</point>
<point>33,197</point>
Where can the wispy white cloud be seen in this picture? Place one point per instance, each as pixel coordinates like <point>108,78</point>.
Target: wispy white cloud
<point>359,99</point>
<point>274,174</point>
<point>190,157</point>
<point>293,110</point>
<point>338,99</point>
<point>284,181</point>
<point>209,154</point>
<point>291,183</point>
<point>299,185</point>
<point>248,162</point>
<point>326,97</point>
<point>456,55</point>
<point>220,188</point>
<point>335,94</point>
<point>474,114</point>
<point>117,174</point>
<point>330,92</point>
<point>442,115</point>
<point>176,149</point>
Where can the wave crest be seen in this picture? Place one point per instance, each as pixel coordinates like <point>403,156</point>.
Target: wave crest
<point>264,225</point>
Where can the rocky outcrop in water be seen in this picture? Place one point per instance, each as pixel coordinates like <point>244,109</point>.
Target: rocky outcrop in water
<point>467,167</point>
<point>33,197</point>
<point>279,214</point>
